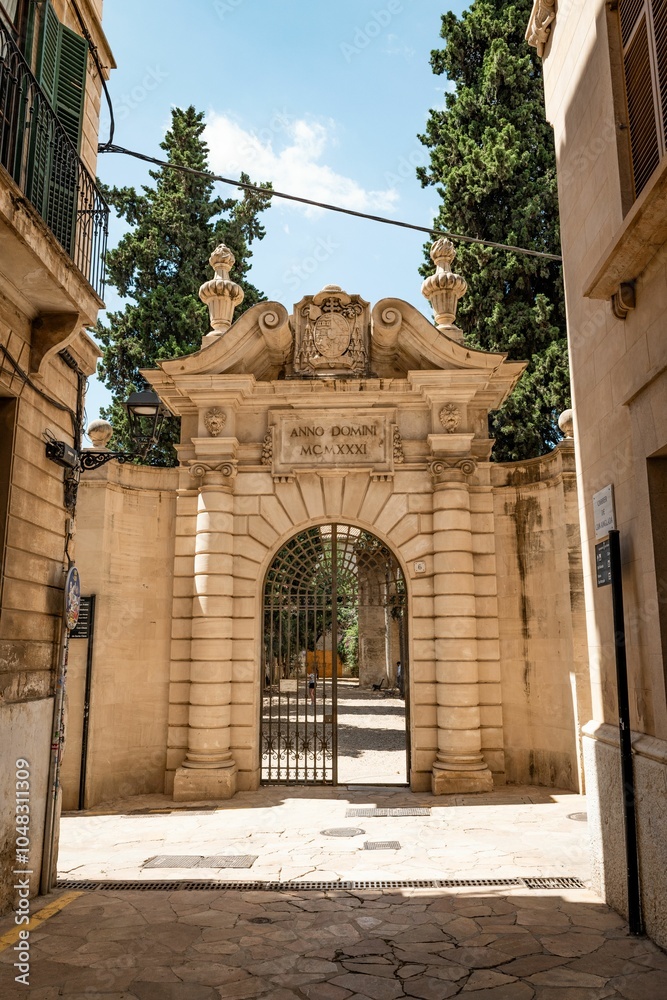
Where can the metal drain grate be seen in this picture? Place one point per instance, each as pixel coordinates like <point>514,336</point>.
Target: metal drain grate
<point>197,861</point>
<point>232,861</point>
<point>553,883</point>
<point>219,885</point>
<point>342,831</point>
<point>173,861</point>
<point>382,845</point>
<point>387,812</point>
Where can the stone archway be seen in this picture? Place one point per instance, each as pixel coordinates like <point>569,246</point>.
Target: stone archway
<point>335,617</point>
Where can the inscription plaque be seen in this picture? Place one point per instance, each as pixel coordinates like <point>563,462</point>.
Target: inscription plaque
<point>308,440</point>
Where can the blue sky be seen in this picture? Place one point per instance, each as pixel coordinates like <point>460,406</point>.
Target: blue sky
<point>324,99</point>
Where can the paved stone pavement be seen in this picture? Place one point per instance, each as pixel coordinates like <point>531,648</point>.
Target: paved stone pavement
<point>362,945</point>
<point>371,736</point>
<point>295,943</point>
<point>511,832</point>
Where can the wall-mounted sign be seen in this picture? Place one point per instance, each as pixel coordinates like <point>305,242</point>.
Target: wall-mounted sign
<point>603,512</point>
<point>72,598</point>
<point>603,563</point>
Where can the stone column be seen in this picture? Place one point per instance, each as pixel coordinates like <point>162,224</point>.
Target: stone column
<point>459,765</point>
<point>209,770</point>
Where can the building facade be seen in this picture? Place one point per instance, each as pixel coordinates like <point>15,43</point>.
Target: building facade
<point>605,88</point>
<point>321,438</point>
<point>53,225</point>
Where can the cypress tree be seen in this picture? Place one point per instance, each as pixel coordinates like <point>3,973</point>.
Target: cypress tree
<point>493,161</point>
<point>159,265</point>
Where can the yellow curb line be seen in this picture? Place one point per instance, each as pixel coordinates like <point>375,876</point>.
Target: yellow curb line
<point>11,937</point>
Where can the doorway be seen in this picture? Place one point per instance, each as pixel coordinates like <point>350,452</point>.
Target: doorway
<point>335,661</point>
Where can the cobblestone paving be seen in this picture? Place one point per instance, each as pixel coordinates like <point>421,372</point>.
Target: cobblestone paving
<point>497,945</point>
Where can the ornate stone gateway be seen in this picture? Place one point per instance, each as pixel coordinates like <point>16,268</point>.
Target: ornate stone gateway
<point>334,607</point>
<point>296,427</point>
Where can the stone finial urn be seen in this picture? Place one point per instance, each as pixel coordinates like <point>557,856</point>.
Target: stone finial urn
<point>221,294</point>
<point>100,433</point>
<point>444,288</point>
<point>566,423</point>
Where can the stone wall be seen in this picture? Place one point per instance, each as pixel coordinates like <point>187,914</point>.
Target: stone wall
<point>546,693</point>
<point>613,243</point>
<point>136,527</point>
<point>125,549</point>
<point>31,574</point>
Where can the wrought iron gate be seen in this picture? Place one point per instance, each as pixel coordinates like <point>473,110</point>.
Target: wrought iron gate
<point>319,590</point>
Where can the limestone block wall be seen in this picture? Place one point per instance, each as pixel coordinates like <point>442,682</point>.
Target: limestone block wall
<point>137,542</point>
<point>545,691</point>
<point>619,374</point>
<point>125,547</point>
<point>32,553</point>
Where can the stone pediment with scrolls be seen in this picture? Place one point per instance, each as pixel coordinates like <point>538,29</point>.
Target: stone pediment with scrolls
<point>332,336</point>
<point>332,333</point>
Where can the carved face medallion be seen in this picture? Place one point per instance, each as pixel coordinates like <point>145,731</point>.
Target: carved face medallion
<point>332,335</point>
<point>215,420</point>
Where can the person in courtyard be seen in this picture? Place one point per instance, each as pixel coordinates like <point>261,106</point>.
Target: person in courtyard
<point>312,684</point>
<point>399,678</point>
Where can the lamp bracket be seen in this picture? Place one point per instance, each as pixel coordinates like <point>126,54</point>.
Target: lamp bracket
<point>96,459</point>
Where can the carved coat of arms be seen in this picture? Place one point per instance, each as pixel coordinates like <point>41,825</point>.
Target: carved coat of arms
<point>332,334</point>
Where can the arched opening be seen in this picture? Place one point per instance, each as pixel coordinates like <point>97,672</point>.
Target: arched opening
<point>335,661</point>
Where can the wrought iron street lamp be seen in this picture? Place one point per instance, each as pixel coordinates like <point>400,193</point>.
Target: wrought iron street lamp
<point>145,415</point>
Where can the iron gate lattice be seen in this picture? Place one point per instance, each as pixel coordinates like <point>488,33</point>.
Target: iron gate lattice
<point>323,586</point>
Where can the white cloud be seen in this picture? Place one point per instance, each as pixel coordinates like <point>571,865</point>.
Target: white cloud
<point>289,152</point>
<point>395,47</point>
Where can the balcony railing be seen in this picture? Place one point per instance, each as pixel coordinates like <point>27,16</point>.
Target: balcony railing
<point>44,163</point>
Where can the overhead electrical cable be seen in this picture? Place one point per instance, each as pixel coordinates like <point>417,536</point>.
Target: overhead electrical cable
<point>111,148</point>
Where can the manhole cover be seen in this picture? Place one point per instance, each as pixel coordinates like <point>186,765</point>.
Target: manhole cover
<point>382,845</point>
<point>580,817</point>
<point>342,831</point>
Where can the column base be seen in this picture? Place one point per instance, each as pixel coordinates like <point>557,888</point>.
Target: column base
<point>460,782</point>
<point>196,784</point>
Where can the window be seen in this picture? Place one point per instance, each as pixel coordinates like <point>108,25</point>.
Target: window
<point>643,27</point>
<point>19,16</point>
<point>10,8</point>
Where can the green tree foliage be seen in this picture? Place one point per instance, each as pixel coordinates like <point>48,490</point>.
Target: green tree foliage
<point>159,265</point>
<point>492,158</point>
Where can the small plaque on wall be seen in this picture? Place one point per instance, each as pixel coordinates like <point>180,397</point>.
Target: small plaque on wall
<point>603,563</point>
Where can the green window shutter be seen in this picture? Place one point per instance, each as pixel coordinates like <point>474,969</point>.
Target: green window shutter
<point>47,62</point>
<point>71,83</point>
<point>61,72</point>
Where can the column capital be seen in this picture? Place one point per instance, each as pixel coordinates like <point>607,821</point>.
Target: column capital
<point>452,470</point>
<point>221,474</point>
